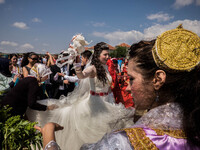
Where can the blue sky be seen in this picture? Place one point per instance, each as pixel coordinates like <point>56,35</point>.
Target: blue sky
<point>49,25</point>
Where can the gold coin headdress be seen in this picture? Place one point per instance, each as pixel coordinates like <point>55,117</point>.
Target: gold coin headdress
<point>177,50</point>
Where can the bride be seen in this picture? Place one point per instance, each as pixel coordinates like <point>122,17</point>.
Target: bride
<point>90,111</point>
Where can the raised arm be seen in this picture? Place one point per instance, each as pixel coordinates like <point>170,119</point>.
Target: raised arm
<point>50,61</point>
<point>88,72</point>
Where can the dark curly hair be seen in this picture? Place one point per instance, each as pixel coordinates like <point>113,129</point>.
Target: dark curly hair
<point>101,73</point>
<point>12,55</point>
<point>183,87</point>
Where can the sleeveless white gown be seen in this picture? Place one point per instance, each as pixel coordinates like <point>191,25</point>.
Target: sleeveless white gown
<point>85,117</point>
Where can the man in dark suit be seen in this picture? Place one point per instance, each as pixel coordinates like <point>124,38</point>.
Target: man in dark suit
<point>60,86</point>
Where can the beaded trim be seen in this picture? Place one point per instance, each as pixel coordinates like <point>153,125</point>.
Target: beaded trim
<point>173,133</point>
<point>138,139</point>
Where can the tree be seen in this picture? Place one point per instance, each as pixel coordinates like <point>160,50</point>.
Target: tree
<point>119,52</point>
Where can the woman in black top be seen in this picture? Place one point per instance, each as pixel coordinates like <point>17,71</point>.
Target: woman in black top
<point>28,61</point>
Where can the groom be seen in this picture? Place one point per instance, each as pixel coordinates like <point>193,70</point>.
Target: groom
<point>60,86</point>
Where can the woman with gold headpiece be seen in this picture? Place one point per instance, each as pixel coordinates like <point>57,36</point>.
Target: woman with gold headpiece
<point>165,84</point>
<point>25,93</point>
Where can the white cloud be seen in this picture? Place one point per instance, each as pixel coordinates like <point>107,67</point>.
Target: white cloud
<point>20,25</point>
<point>8,43</point>
<point>27,46</point>
<point>2,1</point>
<point>118,37</point>
<point>160,17</point>
<point>98,24</point>
<point>198,2</point>
<point>12,47</point>
<point>36,20</point>
<point>155,30</point>
<point>182,3</point>
<point>130,37</point>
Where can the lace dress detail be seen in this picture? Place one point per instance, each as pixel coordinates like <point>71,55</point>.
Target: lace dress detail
<point>97,85</point>
<point>114,141</point>
<point>166,117</point>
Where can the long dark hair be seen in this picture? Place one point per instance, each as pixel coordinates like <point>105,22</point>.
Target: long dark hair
<point>101,73</point>
<point>12,55</point>
<point>184,87</point>
<point>25,58</point>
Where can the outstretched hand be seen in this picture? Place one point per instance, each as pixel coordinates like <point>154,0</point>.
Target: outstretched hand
<point>48,53</point>
<point>48,132</point>
<point>60,74</point>
<point>50,125</point>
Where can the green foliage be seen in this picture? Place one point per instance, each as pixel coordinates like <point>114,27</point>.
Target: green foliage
<point>119,52</point>
<point>17,133</point>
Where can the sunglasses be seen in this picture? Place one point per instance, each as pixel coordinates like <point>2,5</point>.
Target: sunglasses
<point>34,58</point>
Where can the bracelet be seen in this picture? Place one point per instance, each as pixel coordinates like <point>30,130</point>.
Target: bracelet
<point>78,71</point>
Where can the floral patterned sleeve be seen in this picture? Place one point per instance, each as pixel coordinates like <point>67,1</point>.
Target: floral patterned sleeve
<point>113,141</point>
<point>52,145</point>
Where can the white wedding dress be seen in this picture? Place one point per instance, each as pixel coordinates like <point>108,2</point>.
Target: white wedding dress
<point>85,117</point>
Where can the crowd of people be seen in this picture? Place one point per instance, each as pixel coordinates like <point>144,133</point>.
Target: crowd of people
<point>149,101</point>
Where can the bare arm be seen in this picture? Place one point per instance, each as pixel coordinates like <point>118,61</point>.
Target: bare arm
<point>48,132</point>
<point>50,61</point>
<point>25,72</point>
